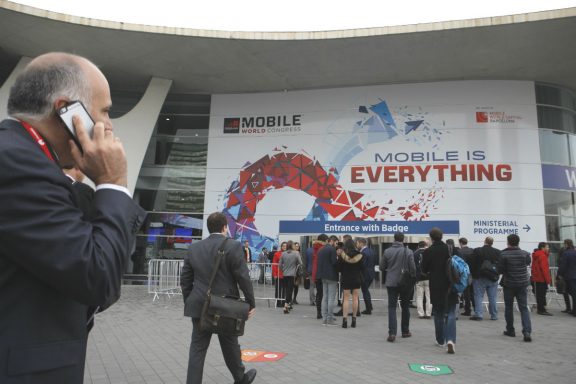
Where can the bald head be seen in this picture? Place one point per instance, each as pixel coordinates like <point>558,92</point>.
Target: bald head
<point>47,79</point>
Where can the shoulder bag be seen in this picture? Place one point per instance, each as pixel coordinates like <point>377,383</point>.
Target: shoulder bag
<point>407,279</point>
<point>223,315</point>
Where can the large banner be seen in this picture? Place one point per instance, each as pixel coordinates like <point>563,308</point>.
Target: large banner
<point>463,156</point>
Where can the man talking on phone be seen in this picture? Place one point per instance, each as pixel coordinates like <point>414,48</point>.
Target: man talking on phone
<point>55,264</point>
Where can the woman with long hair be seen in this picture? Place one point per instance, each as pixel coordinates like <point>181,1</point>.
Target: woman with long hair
<point>288,264</point>
<point>351,267</point>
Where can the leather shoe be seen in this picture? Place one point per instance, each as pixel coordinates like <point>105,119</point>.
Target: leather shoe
<point>406,334</point>
<point>249,377</point>
<point>339,313</point>
<point>391,338</point>
<point>527,337</point>
<point>465,313</point>
<point>367,312</point>
<point>477,318</point>
<point>545,313</point>
<point>509,333</point>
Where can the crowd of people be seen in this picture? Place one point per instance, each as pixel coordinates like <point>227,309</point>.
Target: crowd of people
<point>342,268</point>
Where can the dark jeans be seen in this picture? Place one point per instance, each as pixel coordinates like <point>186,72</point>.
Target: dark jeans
<point>540,289</point>
<point>571,289</point>
<point>288,288</point>
<point>445,322</point>
<point>393,295</point>
<point>199,347</point>
<point>366,293</point>
<point>520,294</point>
<point>468,296</point>
<point>319,295</point>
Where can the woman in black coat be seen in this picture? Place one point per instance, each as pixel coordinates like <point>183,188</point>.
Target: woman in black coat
<point>351,268</point>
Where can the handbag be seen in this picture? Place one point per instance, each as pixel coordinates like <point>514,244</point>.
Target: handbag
<point>223,315</point>
<point>407,279</point>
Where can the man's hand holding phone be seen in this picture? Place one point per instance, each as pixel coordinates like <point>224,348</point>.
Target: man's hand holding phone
<point>101,158</point>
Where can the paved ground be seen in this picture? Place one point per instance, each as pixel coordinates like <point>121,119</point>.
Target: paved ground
<point>140,341</point>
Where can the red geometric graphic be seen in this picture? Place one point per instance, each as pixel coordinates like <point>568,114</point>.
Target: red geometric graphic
<point>300,172</point>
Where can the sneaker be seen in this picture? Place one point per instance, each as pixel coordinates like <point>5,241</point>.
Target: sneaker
<point>527,337</point>
<point>324,322</point>
<point>438,344</point>
<point>509,333</point>
<point>450,347</point>
<point>331,323</point>
<point>421,317</point>
<point>391,338</point>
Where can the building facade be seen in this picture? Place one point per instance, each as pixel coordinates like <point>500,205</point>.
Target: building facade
<point>474,155</point>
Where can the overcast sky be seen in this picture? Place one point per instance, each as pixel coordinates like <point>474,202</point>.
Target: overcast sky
<point>293,15</point>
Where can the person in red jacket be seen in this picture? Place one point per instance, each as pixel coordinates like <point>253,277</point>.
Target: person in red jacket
<point>278,277</point>
<point>541,276</point>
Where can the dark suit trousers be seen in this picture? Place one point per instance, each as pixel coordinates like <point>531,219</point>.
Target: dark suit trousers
<point>199,347</point>
<point>366,293</point>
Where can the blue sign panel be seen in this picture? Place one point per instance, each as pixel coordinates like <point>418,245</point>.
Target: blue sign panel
<point>368,227</point>
<point>559,177</point>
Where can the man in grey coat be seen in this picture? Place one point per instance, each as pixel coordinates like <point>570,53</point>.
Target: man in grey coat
<point>396,259</point>
<point>233,272</point>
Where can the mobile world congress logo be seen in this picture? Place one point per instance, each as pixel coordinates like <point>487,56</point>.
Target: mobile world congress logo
<point>232,125</point>
<point>262,125</point>
<point>484,117</point>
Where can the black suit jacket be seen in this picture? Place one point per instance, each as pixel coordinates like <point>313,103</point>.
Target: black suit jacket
<point>53,263</point>
<point>198,265</point>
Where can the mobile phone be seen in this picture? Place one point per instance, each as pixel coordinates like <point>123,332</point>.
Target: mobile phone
<point>76,108</point>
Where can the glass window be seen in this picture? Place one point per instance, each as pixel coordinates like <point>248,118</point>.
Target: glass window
<point>173,176</point>
<point>559,228</point>
<point>554,147</point>
<point>556,118</point>
<point>551,95</point>
<point>559,203</point>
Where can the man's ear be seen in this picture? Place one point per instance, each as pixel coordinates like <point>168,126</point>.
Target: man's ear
<point>60,103</point>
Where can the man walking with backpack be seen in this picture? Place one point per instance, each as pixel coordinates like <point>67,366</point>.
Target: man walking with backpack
<point>444,299</point>
<point>513,267</point>
<point>485,274</point>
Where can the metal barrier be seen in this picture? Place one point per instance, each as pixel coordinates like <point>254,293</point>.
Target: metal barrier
<point>164,277</point>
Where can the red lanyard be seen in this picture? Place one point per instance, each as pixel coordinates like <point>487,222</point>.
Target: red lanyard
<point>39,140</point>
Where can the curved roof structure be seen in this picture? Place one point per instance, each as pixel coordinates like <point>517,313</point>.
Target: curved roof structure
<point>535,46</point>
